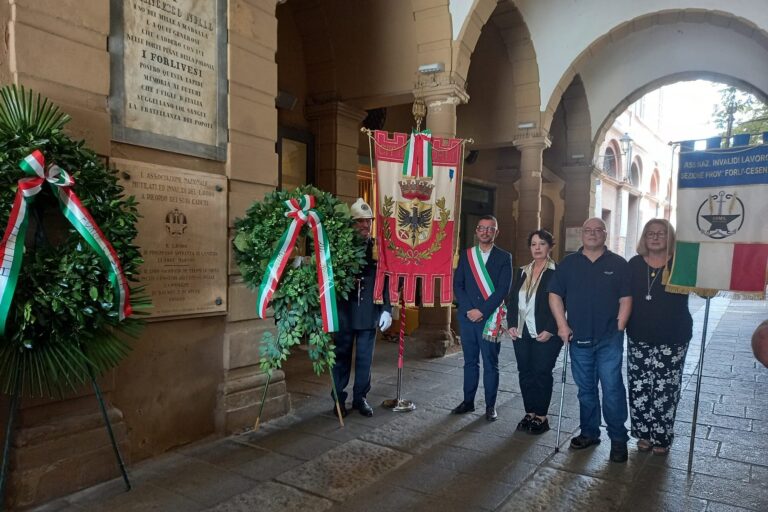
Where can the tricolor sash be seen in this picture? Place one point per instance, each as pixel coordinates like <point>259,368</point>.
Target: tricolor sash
<point>12,245</point>
<point>492,327</point>
<point>301,211</point>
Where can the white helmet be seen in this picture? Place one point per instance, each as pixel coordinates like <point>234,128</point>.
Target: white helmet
<point>361,210</point>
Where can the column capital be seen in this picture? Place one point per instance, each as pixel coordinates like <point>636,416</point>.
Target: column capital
<point>335,109</point>
<point>442,94</point>
<point>533,139</point>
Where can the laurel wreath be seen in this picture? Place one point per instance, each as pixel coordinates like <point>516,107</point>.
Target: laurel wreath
<point>296,303</point>
<point>412,255</point>
<point>63,328</point>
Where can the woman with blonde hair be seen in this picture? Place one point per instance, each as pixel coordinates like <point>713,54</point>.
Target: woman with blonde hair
<point>658,334</point>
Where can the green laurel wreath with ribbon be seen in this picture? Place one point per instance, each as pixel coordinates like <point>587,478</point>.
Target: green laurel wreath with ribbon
<point>63,325</point>
<point>296,302</point>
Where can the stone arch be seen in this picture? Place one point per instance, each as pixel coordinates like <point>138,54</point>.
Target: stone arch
<point>571,129</point>
<point>714,22</point>
<point>463,44</point>
<point>667,80</point>
<point>655,185</point>
<point>635,177</point>
<point>521,54</point>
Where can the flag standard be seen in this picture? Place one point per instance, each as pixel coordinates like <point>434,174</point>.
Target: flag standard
<point>722,233</point>
<point>416,184</point>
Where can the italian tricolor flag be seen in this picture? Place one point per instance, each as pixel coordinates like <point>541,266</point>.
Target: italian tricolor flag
<point>720,266</point>
<point>722,232</point>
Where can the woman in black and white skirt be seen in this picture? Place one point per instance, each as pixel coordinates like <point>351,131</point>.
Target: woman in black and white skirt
<point>658,333</point>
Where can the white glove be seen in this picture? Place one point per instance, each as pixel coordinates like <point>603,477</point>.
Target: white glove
<point>385,321</point>
<point>297,261</point>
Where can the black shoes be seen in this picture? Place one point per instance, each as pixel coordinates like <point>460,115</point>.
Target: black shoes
<point>343,408</point>
<point>538,426</point>
<point>580,442</point>
<point>463,407</point>
<point>364,408</point>
<point>490,414</point>
<point>618,451</point>
<point>525,423</point>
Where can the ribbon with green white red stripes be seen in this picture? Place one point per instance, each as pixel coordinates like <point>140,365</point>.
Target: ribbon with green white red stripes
<point>417,162</point>
<point>12,245</point>
<point>492,327</point>
<point>301,211</point>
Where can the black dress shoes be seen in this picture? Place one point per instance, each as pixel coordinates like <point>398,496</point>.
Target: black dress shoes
<point>618,451</point>
<point>524,423</point>
<point>364,408</point>
<point>490,414</point>
<point>463,407</point>
<point>343,408</point>
<point>538,426</point>
<point>581,441</point>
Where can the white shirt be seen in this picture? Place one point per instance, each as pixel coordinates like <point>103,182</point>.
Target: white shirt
<point>485,254</point>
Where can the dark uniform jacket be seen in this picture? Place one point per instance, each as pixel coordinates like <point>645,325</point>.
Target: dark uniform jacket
<point>363,314</point>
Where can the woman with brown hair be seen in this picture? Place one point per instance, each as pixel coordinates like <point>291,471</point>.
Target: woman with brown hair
<point>534,331</point>
<point>658,334</point>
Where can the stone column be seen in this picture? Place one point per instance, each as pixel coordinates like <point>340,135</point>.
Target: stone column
<point>336,127</point>
<point>252,137</point>
<point>580,185</point>
<point>434,333</point>
<point>529,187</point>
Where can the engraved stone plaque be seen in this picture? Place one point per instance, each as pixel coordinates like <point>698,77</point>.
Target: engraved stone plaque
<point>169,70</point>
<point>182,236</point>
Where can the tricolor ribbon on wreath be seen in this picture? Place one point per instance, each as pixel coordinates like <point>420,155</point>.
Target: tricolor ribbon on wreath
<point>492,327</point>
<point>12,245</point>
<point>301,211</point>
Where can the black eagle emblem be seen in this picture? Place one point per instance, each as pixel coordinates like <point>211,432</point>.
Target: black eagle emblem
<point>414,221</point>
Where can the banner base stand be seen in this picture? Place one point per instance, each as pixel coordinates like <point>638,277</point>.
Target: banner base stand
<point>399,405</point>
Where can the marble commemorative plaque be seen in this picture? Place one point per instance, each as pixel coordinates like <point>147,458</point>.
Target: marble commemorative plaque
<point>169,75</point>
<point>182,236</point>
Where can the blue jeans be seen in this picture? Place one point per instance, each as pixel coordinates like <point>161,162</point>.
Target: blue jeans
<point>363,342</point>
<point>473,345</point>
<point>601,363</point>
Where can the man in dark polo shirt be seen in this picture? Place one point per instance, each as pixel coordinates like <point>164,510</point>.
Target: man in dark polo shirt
<point>593,286</point>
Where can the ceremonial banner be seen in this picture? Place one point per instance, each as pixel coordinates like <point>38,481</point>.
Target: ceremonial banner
<point>416,178</point>
<point>722,233</point>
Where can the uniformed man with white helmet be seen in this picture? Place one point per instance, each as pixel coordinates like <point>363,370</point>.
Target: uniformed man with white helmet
<point>358,319</point>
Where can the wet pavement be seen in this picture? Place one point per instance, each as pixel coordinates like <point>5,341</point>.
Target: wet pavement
<point>431,460</point>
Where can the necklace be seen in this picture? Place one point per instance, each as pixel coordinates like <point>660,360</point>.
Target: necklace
<point>652,272</point>
<point>533,283</point>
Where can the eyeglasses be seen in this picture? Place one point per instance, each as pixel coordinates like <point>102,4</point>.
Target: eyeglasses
<point>487,229</point>
<point>590,231</point>
<point>656,234</point>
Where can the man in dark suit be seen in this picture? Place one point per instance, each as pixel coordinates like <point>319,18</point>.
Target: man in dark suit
<point>480,283</point>
<point>358,319</point>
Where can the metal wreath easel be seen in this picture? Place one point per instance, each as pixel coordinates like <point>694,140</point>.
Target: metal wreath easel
<point>13,408</point>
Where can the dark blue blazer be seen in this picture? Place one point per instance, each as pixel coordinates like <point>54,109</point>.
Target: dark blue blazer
<point>466,291</point>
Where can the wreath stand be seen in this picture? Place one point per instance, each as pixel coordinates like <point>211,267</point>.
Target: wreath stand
<point>13,408</point>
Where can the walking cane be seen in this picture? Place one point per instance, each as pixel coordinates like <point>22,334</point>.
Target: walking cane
<point>562,395</point>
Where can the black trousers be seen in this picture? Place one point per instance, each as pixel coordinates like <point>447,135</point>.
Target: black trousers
<point>535,362</point>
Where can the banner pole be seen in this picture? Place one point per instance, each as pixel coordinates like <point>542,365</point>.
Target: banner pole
<point>398,404</point>
<point>698,385</point>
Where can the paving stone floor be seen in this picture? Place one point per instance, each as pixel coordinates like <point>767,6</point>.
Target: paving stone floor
<point>430,460</point>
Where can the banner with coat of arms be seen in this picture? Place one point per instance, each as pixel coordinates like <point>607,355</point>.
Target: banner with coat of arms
<point>416,178</point>
<point>722,233</point>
